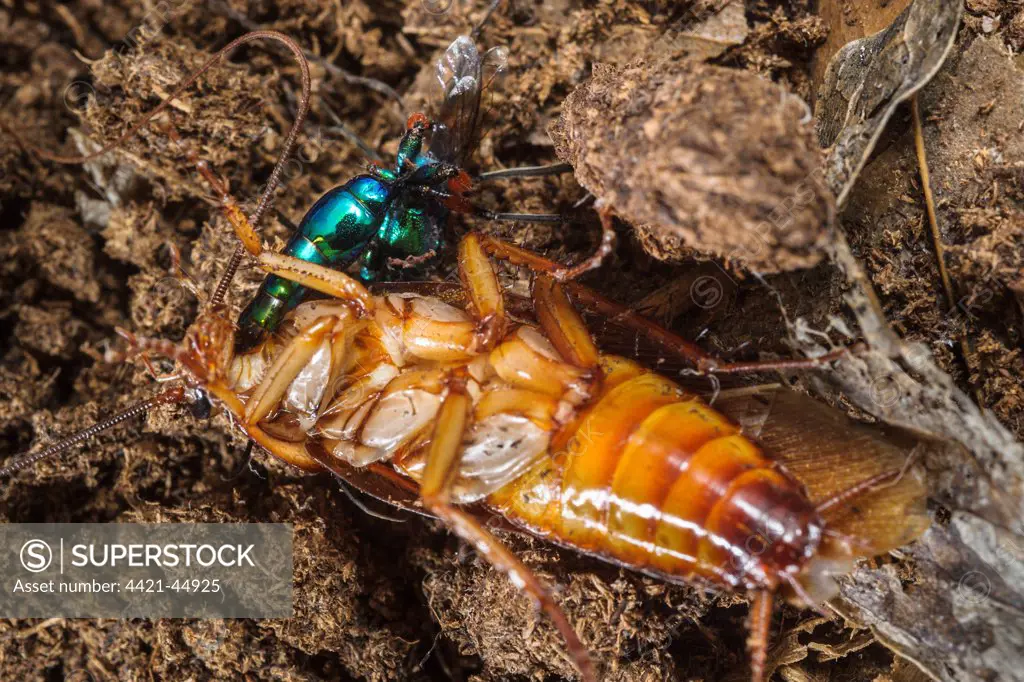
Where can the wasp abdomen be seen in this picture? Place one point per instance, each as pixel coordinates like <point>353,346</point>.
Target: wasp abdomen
<point>333,232</point>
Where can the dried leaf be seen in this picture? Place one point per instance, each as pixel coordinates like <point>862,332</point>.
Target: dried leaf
<point>961,616</point>
<point>868,78</point>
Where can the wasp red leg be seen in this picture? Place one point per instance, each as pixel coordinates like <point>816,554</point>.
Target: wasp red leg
<point>435,490</point>
<point>757,641</point>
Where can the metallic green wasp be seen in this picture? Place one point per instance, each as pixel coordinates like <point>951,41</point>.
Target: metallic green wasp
<point>392,220</point>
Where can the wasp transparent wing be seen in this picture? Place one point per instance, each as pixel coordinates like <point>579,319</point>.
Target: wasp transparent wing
<point>464,75</point>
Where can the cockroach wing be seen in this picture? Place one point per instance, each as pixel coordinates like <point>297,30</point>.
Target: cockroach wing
<point>829,453</point>
<point>464,75</point>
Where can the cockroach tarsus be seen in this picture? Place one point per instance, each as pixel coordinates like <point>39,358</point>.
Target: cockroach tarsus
<point>472,405</point>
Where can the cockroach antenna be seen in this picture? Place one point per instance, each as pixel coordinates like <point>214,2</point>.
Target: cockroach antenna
<point>19,462</point>
<point>175,394</point>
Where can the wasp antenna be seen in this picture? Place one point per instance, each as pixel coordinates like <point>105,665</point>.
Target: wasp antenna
<point>172,395</point>
<point>475,33</point>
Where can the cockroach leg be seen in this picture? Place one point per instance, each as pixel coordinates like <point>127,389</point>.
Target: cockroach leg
<point>435,491</point>
<point>229,206</point>
<point>485,293</point>
<point>319,278</point>
<point>290,453</point>
<point>801,592</point>
<point>181,275</point>
<point>287,365</point>
<point>561,273</point>
<point>562,324</point>
<point>621,314</point>
<point>143,347</point>
<point>702,361</point>
<point>757,639</point>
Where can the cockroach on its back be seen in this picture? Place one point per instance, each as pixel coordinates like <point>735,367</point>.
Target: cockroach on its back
<point>468,404</point>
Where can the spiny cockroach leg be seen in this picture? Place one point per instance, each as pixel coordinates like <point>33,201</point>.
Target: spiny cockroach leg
<point>183,276</point>
<point>241,224</point>
<point>757,640</point>
<point>435,491</point>
<point>702,361</point>
<point>502,250</point>
<point>318,278</point>
<point>143,347</point>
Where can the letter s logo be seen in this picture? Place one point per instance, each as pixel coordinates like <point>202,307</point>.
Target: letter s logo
<point>36,556</point>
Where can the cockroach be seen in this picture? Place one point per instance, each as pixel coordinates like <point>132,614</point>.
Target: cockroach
<point>469,404</point>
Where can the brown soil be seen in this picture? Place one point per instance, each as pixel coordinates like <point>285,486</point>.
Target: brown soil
<point>85,250</point>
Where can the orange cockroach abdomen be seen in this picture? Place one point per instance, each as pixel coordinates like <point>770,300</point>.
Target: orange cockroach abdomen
<point>655,478</point>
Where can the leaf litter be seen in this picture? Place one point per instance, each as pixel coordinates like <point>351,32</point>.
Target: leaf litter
<point>84,251</point>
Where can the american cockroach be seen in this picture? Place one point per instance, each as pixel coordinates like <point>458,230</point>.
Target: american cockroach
<point>468,404</point>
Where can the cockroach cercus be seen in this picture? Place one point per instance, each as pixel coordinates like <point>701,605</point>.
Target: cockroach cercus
<point>467,403</point>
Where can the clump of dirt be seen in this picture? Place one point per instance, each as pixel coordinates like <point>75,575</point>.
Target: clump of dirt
<point>83,251</point>
<point>700,155</point>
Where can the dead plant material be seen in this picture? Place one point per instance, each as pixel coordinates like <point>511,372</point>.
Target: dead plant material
<point>84,250</point>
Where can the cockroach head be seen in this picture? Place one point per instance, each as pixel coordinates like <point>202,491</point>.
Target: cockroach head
<point>209,345</point>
